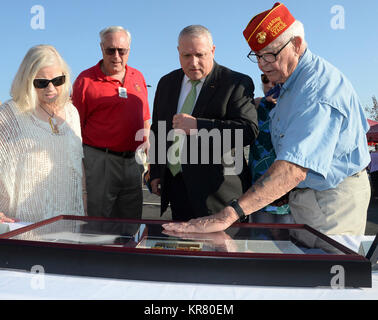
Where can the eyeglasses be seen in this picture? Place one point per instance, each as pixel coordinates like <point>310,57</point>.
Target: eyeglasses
<point>267,57</point>
<point>264,79</point>
<point>112,51</point>
<point>44,83</point>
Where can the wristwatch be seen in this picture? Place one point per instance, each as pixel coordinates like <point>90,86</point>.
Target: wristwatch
<point>234,204</point>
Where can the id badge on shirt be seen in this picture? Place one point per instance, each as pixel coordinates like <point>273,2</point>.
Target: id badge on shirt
<point>122,92</point>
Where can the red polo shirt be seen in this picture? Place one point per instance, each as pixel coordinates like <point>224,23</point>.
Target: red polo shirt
<point>109,120</point>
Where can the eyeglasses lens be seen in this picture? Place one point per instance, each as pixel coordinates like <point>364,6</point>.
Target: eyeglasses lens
<point>112,51</point>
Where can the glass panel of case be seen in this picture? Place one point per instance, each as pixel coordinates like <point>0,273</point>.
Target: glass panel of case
<point>239,239</point>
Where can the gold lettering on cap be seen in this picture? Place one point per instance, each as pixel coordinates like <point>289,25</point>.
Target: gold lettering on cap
<point>261,37</point>
<point>276,26</point>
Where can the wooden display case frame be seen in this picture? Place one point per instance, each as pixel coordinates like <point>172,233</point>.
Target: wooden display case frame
<point>345,268</point>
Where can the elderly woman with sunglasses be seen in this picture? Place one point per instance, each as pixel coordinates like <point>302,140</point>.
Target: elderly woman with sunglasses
<point>40,142</point>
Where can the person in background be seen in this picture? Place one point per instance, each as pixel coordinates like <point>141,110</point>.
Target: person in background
<point>201,97</point>
<point>262,156</point>
<point>112,101</point>
<point>373,170</point>
<point>318,131</point>
<point>40,143</point>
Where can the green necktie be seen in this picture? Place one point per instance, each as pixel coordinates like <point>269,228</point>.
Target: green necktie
<point>187,108</point>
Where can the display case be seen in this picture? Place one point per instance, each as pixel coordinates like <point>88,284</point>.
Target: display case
<point>245,254</point>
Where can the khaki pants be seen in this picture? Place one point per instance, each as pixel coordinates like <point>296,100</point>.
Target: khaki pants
<point>338,211</point>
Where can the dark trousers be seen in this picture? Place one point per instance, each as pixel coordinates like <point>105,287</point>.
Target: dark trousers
<point>374,183</point>
<point>114,185</point>
<point>178,197</point>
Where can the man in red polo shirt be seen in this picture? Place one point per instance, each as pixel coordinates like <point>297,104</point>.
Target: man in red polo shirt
<point>112,101</point>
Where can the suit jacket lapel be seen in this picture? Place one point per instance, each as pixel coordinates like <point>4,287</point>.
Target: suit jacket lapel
<point>207,92</point>
<point>175,93</point>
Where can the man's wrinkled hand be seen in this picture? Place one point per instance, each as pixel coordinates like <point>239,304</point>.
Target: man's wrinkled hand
<point>215,223</point>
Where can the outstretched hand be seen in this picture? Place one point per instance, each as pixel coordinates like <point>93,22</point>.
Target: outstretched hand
<point>215,223</point>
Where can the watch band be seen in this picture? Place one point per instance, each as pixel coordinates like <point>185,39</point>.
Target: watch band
<point>234,204</point>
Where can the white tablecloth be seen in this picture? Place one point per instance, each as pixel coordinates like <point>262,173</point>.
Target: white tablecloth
<point>17,285</point>
<point>21,285</point>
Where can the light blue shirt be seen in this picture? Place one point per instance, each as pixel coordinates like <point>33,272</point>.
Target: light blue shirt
<point>319,124</point>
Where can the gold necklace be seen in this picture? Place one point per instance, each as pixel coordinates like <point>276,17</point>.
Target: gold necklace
<point>52,121</point>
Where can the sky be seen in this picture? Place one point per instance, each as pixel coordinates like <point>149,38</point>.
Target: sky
<point>344,32</point>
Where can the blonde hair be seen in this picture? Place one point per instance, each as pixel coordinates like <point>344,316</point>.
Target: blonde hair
<point>38,57</point>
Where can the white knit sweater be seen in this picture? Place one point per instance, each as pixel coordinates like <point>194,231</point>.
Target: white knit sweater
<point>40,172</point>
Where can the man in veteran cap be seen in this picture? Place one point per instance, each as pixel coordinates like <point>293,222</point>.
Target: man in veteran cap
<point>318,131</point>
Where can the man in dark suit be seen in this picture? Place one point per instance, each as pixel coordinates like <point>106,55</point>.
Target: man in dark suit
<point>207,104</point>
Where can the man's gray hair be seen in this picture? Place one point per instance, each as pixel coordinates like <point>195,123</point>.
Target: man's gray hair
<point>295,30</point>
<point>114,29</point>
<point>196,31</point>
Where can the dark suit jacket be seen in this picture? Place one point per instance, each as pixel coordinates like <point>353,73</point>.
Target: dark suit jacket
<point>225,102</point>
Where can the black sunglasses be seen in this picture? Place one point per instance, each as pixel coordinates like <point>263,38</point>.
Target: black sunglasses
<point>112,51</point>
<point>44,83</point>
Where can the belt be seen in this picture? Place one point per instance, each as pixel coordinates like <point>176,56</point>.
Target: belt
<point>359,173</point>
<point>125,154</point>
